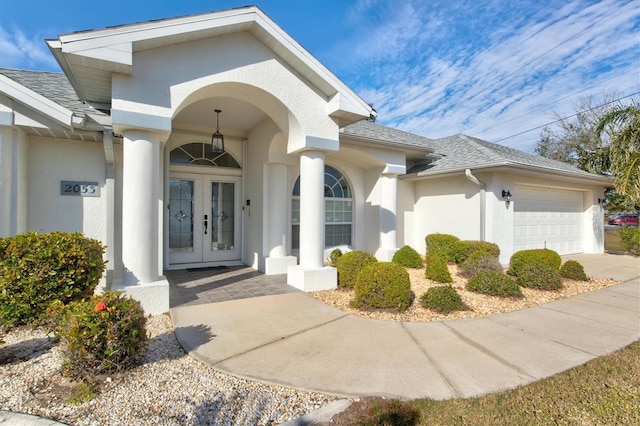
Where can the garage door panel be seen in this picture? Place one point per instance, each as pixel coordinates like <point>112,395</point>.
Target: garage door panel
<point>548,218</point>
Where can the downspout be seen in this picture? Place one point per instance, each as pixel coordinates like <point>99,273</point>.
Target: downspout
<point>107,142</point>
<point>483,207</point>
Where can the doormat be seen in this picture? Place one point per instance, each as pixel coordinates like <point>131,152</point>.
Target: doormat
<point>209,268</point>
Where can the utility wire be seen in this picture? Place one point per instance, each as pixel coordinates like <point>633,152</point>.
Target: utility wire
<point>564,118</point>
<point>558,100</point>
<point>550,50</point>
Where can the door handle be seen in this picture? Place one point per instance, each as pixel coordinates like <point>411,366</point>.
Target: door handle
<point>206,224</point>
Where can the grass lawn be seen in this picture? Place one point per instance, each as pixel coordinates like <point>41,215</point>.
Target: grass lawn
<point>604,391</point>
<point>612,241</point>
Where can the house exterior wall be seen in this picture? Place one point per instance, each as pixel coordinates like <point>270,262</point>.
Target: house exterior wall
<point>52,161</point>
<point>451,205</point>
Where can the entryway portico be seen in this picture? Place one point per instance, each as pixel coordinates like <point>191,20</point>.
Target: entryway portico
<point>281,115</point>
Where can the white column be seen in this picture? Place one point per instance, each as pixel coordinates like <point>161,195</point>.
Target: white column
<point>311,209</point>
<point>6,181</point>
<point>276,221</point>
<point>311,274</point>
<point>140,207</point>
<point>388,217</point>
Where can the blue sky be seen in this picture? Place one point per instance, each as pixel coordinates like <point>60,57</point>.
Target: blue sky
<point>491,69</point>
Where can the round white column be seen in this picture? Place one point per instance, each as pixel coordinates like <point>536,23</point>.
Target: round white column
<point>140,191</point>
<point>278,197</point>
<point>388,216</point>
<point>311,209</point>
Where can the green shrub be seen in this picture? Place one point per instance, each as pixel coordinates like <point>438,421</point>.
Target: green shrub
<point>443,244</point>
<point>36,269</point>
<point>349,266</point>
<point>383,285</point>
<point>535,257</point>
<point>494,284</point>
<point>437,269</point>
<point>463,249</point>
<point>630,240</point>
<point>408,258</point>
<point>102,334</point>
<point>444,299</point>
<point>573,270</point>
<point>539,277</point>
<point>479,262</point>
<point>334,256</point>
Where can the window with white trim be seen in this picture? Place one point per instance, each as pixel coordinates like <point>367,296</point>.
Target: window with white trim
<point>338,210</point>
<point>199,154</point>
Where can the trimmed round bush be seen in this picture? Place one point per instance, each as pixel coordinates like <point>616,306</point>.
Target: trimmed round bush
<point>349,266</point>
<point>102,334</point>
<point>443,244</point>
<point>539,277</point>
<point>536,257</point>
<point>479,262</point>
<point>334,256</point>
<point>443,299</point>
<point>437,269</point>
<point>464,249</point>
<point>408,258</point>
<point>36,269</point>
<point>573,270</point>
<point>383,285</point>
<point>494,283</point>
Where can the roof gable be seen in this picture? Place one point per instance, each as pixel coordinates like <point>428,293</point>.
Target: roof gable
<point>89,58</point>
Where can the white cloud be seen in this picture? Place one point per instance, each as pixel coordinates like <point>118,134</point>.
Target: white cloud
<point>435,69</point>
<point>20,51</point>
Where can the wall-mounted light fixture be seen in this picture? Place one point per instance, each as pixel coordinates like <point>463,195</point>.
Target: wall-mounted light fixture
<point>507,196</point>
<point>217,140</point>
<point>600,201</point>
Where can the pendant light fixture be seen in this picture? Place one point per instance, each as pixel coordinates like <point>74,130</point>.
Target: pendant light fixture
<point>217,140</point>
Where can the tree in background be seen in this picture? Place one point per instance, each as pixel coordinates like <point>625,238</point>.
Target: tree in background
<point>576,140</point>
<point>620,128</point>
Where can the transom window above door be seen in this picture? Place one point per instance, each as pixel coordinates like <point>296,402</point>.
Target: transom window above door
<point>199,154</point>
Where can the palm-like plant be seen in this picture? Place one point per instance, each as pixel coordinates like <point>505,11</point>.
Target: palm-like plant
<point>623,124</point>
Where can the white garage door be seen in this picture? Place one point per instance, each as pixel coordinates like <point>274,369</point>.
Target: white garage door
<point>548,218</point>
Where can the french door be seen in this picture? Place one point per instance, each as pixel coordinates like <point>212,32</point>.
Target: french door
<point>204,219</point>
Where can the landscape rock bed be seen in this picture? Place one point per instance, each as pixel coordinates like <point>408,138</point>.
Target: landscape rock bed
<point>481,305</point>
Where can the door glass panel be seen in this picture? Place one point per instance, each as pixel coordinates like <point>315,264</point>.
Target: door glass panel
<point>180,215</point>
<point>223,216</point>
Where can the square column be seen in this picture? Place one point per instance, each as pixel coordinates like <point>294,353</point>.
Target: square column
<point>275,222</point>
<point>311,274</point>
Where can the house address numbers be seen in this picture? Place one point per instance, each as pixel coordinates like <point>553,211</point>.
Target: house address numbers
<point>81,189</point>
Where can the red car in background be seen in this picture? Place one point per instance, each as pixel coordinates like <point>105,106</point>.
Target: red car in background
<point>624,219</point>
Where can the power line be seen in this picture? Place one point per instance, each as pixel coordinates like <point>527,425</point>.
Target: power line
<point>558,100</point>
<point>552,49</point>
<point>564,118</point>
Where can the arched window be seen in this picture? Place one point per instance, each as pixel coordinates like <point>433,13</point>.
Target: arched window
<point>338,210</point>
<point>199,154</point>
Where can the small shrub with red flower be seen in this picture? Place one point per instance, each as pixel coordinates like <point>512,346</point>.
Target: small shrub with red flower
<point>103,334</point>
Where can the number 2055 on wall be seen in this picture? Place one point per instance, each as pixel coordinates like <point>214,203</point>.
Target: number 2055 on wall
<point>81,189</point>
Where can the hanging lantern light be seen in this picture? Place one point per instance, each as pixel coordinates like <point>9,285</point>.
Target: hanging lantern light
<point>217,140</point>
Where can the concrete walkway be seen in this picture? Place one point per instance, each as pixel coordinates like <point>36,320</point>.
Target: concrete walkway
<point>294,340</point>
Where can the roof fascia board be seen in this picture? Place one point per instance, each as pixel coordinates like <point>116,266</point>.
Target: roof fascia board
<point>36,101</point>
<point>513,168</point>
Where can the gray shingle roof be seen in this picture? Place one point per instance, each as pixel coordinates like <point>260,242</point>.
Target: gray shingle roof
<point>458,151</point>
<point>374,131</point>
<point>53,86</point>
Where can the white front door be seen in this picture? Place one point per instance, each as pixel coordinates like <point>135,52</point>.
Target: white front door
<point>204,219</point>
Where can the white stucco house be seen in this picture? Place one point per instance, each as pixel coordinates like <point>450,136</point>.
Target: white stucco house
<point>119,147</point>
